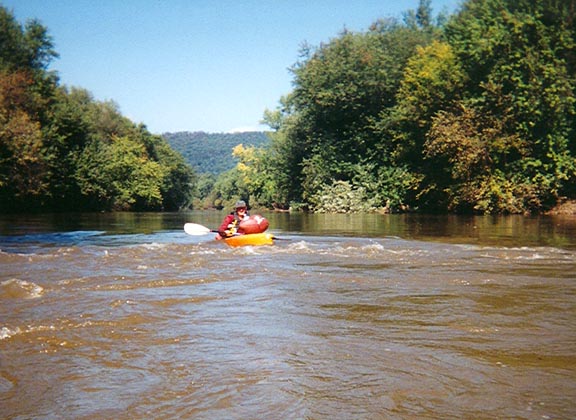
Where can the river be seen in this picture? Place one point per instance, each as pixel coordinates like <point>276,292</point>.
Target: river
<point>124,316</point>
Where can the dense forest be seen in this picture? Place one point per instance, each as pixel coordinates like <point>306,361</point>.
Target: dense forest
<point>214,157</point>
<point>211,153</point>
<point>474,112</point>
<point>61,150</point>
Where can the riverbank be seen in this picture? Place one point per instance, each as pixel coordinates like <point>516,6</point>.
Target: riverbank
<point>565,208</point>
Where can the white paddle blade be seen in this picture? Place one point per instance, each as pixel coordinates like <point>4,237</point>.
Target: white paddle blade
<point>195,229</point>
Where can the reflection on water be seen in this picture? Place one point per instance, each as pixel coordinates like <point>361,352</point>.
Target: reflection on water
<point>124,316</point>
<point>557,231</point>
<point>500,230</point>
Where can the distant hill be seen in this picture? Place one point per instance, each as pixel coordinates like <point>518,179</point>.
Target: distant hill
<point>212,152</point>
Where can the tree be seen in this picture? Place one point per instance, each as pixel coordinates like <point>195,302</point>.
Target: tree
<point>330,125</point>
<point>518,61</point>
<point>62,150</point>
<point>120,176</point>
<point>29,48</point>
<point>256,176</point>
<point>229,188</point>
<point>23,160</point>
<point>179,182</point>
<point>432,81</point>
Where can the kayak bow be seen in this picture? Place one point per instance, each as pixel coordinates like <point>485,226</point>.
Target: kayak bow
<point>254,239</point>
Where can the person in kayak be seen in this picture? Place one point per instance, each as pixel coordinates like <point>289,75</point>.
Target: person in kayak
<point>231,224</point>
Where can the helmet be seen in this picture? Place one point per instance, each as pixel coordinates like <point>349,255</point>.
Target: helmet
<point>239,204</point>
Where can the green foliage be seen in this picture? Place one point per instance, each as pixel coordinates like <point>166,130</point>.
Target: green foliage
<point>221,183</point>
<point>329,131</point>
<point>518,58</point>
<point>179,183</point>
<point>204,189</point>
<point>228,188</point>
<point>253,168</point>
<point>473,115</point>
<point>341,88</point>
<point>391,187</point>
<point>119,176</point>
<point>341,197</point>
<point>24,48</point>
<point>62,150</point>
<point>212,152</point>
<point>432,80</point>
<point>24,161</point>
<point>284,157</point>
<point>466,149</point>
<point>117,165</point>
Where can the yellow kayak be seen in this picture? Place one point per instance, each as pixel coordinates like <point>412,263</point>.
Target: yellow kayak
<point>250,239</point>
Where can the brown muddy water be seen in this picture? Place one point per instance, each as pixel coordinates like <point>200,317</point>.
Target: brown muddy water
<point>124,316</point>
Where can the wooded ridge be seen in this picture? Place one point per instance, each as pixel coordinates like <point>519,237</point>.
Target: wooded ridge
<point>211,153</point>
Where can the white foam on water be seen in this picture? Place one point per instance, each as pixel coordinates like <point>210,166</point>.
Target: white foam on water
<point>20,289</point>
<point>6,332</point>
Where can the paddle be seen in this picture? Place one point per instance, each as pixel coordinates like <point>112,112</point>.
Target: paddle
<point>195,229</point>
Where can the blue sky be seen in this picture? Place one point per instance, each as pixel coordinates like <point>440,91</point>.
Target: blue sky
<point>195,65</point>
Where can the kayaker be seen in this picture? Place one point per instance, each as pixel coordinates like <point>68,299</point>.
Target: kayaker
<point>230,225</point>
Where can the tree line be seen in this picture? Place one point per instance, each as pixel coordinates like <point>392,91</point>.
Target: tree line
<point>469,112</point>
<point>60,149</point>
<point>472,112</point>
